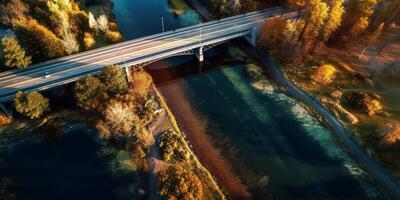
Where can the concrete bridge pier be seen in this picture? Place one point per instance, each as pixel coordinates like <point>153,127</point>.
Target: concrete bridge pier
<point>252,37</point>
<point>128,74</point>
<point>5,110</point>
<point>200,54</point>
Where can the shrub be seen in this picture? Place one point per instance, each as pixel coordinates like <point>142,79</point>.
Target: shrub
<point>31,104</point>
<point>89,41</point>
<point>365,102</point>
<point>4,120</point>
<point>113,26</point>
<point>171,146</point>
<point>324,74</point>
<point>178,183</point>
<point>113,36</point>
<point>391,133</point>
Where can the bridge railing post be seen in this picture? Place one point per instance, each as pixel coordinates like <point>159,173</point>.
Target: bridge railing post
<point>200,54</point>
<point>128,73</point>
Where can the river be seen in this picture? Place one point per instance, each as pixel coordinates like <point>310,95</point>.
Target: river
<point>269,140</point>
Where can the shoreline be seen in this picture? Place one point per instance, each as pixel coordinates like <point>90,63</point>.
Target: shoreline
<point>195,133</point>
<point>340,133</point>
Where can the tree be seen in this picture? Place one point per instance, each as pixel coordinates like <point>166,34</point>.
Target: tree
<point>14,54</point>
<point>141,82</point>
<point>373,36</point>
<point>356,19</point>
<point>387,13</point>
<point>90,93</point>
<point>333,21</point>
<point>11,11</point>
<point>31,104</point>
<point>39,41</point>
<point>120,120</point>
<point>314,19</point>
<point>93,23</point>
<point>280,38</point>
<point>114,78</point>
<point>179,183</point>
<point>60,10</point>
<point>102,23</point>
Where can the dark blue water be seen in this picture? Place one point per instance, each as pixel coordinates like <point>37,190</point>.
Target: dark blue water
<point>77,166</point>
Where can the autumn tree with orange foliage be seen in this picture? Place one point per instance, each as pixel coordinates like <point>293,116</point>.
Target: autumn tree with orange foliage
<point>279,37</point>
<point>178,183</point>
<point>141,83</point>
<point>356,20</point>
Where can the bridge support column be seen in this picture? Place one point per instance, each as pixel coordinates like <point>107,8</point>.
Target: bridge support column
<point>252,38</point>
<point>200,55</point>
<point>128,74</point>
<point>5,110</point>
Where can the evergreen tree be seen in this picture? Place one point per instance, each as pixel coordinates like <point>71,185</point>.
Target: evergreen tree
<point>31,104</point>
<point>14,54</point>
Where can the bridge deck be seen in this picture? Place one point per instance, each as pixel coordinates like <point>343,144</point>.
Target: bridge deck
<point>130,53</point>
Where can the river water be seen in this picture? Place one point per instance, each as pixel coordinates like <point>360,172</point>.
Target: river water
<point>271,142</point>
<point>268,140</point>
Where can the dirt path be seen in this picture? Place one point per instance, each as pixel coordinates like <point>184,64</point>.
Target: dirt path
<point>154,156</point>
<point>355,149</point>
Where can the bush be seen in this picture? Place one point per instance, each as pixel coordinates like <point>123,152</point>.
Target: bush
<point>179,183</point>
<point>324,74</point>
<point>391,133</point>
<point>4,120</point>
<point>113,36</point>
<point>31,104</point>
<point>365,102</point>
<point>171,146</point>
<point>89,41</point>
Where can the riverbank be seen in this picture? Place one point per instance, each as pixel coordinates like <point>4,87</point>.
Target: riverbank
<point>195,130</point>
<point>201,171</point>
<point>340,132</point>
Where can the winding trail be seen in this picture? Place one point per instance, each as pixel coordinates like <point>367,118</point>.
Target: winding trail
<point>355,149</point>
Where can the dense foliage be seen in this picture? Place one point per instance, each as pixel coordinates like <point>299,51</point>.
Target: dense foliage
<point>90,92</point>
<point>178,183</point>
<point>55,28</point>
<point>13,54</point>
<point>31,104</point>
<point>171,146</point>
<point>114,79</point>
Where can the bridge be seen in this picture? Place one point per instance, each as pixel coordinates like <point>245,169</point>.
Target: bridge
<point>135,54</point>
